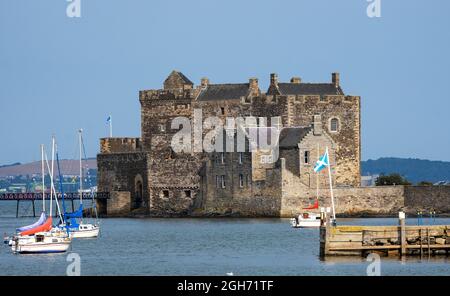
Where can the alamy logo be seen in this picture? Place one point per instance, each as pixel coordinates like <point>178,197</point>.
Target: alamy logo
<point>374,268</point>
<point>74,268</point>
<point>241,134</point>
<point>74,8</point>
<point>374,8</point>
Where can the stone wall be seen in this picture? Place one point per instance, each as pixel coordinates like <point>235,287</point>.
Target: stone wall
<point>373,201</point>
<point>369,201</point>
<point>118,203</point>
<point>125,172</point>
<point>426,198</point>
<point>347,110</point>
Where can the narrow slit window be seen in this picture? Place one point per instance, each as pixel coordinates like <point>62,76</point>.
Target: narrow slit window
<point>334,125</point>
<point>306,157</point>
<point>241,180</point>
<point>223,181</point>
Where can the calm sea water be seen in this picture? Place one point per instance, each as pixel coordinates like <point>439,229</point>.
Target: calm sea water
<point>205,247</point>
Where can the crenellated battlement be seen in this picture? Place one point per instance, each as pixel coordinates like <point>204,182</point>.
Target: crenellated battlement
<point>163,94</point>
<point>119,145</point>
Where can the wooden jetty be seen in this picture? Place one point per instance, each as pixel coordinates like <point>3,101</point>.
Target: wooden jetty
<point>33,196</point>
<point>398,240</point>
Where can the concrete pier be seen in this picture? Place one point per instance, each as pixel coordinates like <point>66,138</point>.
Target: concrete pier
<point>401,240</point>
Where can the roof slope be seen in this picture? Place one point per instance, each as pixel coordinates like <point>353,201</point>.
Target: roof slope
<point>291,136</point>
<point>227,91</point>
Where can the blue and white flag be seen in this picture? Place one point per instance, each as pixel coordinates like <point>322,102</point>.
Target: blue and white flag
<point>322,163</point>
<point>108,120</point>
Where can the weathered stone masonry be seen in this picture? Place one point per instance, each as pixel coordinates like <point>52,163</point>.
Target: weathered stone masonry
<point>146,177</point>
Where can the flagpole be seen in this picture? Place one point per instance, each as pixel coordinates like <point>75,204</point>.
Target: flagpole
<point>317,175</point>
<point>331,186</point>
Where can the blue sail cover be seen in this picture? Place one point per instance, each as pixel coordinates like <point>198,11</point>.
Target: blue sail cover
<point>39,222</point>
<point>72,224</point>
<point>77,214</point>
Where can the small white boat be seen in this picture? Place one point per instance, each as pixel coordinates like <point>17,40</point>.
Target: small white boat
<point>86,231</point>
<point>306,220</point>
<point>83,230</point>
<point>42,242</point>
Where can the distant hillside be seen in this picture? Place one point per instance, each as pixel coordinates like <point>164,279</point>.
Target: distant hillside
<point>9,165</point>
<point>68,167</point>
<point>415,170</point>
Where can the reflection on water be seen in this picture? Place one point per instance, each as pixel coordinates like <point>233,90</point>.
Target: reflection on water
<point>207,247</point>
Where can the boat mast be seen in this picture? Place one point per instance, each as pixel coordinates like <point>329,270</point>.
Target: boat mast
<point>80,131</point>
<point>60,186</point>
<point>43,178</point>
<point>52,186</point>
<point>51,175</point>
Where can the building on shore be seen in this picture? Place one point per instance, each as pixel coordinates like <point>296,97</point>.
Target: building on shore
<point>147,176</point>
<point>161,182</point>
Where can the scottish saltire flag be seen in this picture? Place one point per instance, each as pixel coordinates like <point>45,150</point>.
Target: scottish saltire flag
<point>108,120</point>
<point>322,163</point>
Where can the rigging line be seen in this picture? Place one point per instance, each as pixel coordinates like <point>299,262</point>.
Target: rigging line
<point>94,205</point>
<point>52,188</point>
<point>62,191</point>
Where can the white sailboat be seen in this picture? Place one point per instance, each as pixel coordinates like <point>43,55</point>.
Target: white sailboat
<point>81,229</point>
<point>41,242</point>
<point>40,237</point>
<point>309,219</point>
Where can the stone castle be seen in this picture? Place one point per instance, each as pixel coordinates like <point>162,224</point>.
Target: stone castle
<point>146,176</point>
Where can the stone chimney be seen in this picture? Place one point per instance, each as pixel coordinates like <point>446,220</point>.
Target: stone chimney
<point>204,82</point>
<point>317,125</point>
<point>335,79</point>
<point>253,84</point>
<point>296,80</point>
<point>273,79</point>
<point>273,87</point>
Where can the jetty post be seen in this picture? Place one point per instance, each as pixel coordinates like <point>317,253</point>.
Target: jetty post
<point>401,220</point>
<point>325,225</point>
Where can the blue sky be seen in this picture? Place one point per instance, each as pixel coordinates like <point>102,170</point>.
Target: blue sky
<point>58,74</point>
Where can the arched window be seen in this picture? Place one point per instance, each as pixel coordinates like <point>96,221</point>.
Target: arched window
<point>334,124</point>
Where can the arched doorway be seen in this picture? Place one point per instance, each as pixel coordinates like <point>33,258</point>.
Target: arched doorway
<point>138,196</point>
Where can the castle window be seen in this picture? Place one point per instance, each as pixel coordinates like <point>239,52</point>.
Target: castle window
<point>222,110</point>
<point>187,193</point>
<point>222,179</point>
<point>241,180</point>
<point>306,157</point>
<point>334,124</point>
<point>222,158</point>
<point>165,193</point>
<point>240,157</point>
